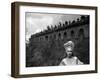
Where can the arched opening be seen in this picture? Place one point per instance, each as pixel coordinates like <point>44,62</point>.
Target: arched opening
<point>46,37</point>
<point>54,36</point>
<point>72,34</point>
<point>65,34</point>
<point>40,38</point>
<point>81,34</point>
<point>59,35</point>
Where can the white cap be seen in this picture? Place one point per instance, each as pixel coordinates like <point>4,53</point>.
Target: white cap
<point>69,44</point>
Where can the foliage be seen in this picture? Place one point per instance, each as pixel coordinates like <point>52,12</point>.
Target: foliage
<point>82,51</point>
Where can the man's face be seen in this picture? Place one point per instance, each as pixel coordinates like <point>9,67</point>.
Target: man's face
<point>68,51</point>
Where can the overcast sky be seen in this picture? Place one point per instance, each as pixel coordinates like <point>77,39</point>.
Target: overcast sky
<point>35,22</point>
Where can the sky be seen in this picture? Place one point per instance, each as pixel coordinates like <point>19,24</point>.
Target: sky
<point>36,22</point>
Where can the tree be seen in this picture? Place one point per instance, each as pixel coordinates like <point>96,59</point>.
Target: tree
<point>69,22</point>
<point>60,24</point>
<point>83,17</point>
<point>77,19</point>
<point>48,28</point>
<point>82,51</point>
<point>66,22</point>
<point>52,27</point>
<point>73,21</point>
<point>55,27</point>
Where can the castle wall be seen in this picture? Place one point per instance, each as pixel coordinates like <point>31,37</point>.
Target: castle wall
<point>73,33</point>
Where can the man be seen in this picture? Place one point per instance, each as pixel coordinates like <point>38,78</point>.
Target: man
<point>70,59</point>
